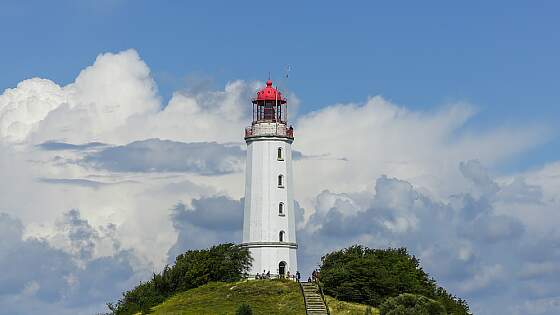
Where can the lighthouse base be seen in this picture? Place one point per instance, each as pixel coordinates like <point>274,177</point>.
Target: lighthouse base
<point>277,258</point>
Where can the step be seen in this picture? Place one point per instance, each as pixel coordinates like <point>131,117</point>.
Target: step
<point>314,304</point>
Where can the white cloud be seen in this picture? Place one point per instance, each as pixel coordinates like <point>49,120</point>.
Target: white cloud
<point>23,107</point>
<point>483,278</point>
<point>378,138</point>
<point>103,97</point>
<point>436,197</point>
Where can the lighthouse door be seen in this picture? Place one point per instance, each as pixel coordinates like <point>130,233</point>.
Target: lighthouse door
<point>282,269</point>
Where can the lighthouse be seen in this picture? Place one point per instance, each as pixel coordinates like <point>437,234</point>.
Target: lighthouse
<point>269,223</point>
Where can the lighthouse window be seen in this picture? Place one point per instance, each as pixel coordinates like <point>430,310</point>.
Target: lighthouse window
<point>280,156</point>
<point>280,181</point>
<point>281,209</point>
<point>281,236</point>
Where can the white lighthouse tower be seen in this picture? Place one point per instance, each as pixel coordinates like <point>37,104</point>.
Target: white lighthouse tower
<point>269,225</point>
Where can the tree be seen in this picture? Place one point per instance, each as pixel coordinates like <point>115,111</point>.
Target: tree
<point>224,262</point>
<point>411,304</point>
<point>371,276</point>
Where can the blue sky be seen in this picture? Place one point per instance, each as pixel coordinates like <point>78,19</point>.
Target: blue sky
<point>501,56</point>
<point>464,134</point>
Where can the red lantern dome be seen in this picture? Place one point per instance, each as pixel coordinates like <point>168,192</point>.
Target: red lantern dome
<point>270,114</point>
<point>269,93</point>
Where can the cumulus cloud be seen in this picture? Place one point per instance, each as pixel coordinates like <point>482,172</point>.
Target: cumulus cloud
<point>80,233</point>
<point>57,146</point>
<point>155,155</point>
<point>23,107</point>
<point>493,228</point>
<point>374,173</point>
<point>380,138</point>
<point>478,175</point>
<point>465,241</point>
<point>218,218</point>
<point>103,97</point>
<point>37,275</point>
<point>73,182</point>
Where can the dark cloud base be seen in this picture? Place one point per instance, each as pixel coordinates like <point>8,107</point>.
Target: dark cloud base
<point>61,146</point>
<point>155,155</point>
<point>471,249</point>
<point>39,276</point>
<point>486,257</point>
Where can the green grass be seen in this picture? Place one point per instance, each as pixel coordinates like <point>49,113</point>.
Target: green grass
<point>266,297</point>
<point>272,297</point>
<point>337,307</point>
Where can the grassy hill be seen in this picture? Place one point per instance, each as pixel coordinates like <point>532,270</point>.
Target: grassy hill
<point>337,307</point>
<point>209,281</point>
<point>265,297</point>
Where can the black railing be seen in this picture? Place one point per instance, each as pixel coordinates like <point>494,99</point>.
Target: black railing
<point>304,299</point>
<point>287,132</point>
<point>323,296</point>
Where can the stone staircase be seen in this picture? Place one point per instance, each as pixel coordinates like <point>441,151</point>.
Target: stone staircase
<point>314,304</point>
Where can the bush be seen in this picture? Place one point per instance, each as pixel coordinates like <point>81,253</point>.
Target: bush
<point>244,309</point>
<point>370,276</point>
<point>225,262</point>
<point>411,304</point>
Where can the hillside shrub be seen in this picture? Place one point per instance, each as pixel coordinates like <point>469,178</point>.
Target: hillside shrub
<point>411,304</point>
<point>371,276</point>
<point>225,263</point>
<point>244,309</point>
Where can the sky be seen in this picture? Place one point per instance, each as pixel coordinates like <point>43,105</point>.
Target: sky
<point>433,126</point>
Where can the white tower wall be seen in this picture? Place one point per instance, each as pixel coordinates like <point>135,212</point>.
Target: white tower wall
<point>263,221</point>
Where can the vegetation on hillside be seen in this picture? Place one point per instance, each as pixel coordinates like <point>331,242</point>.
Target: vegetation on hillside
<point>209,282</point>
<point>411,304</point>
<point>244,309</point>
<point>225,262</point>
<point>371,276</point>
<point>337,307</point>
<point>274,297</point>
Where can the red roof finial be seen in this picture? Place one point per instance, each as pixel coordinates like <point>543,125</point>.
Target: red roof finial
<point>269,82</point>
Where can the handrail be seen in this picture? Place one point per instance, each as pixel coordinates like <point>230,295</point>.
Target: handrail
<point>304,299</point>
<point>323,297</point>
